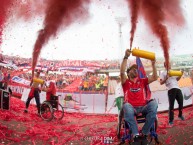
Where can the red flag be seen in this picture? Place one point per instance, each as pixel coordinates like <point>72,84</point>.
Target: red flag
<point>142,74</point>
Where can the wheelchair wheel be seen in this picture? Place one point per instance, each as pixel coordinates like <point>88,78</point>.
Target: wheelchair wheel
<point>153,134</point>
<point>120,125</point>
<point>46,111</point>
<point>119,129</point>
<point>58,112</point>
<point>156,136</point>
<point>156,123</point>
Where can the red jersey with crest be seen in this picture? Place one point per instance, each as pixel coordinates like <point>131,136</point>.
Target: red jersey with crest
<point>135,92</point>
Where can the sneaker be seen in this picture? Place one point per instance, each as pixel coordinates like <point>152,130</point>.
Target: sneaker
<point>171,123</point>
<point>25,111</point>
<point>181,118</point>
<point>136,140</point>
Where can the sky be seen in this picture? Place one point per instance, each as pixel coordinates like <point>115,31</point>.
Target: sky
<point>98,38</point>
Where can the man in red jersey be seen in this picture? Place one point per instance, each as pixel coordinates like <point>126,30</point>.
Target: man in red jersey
<point>135,101</point>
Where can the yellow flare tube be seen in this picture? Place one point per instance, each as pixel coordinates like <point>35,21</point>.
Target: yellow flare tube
<point>143,54</point>
<point>174,73</point>
<point>38,80</point>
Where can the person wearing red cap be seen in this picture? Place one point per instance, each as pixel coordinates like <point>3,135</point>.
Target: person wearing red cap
<point>135,101</point>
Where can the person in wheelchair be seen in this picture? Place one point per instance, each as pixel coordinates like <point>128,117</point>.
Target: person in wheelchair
<point>50,90</point>
<point>51,94</point>
<point>135,101</point>
<point>51,108</point>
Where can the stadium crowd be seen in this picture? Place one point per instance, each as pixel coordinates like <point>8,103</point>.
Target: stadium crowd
<point>68,74</point>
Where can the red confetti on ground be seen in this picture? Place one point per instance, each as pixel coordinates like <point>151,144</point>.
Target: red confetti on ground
<point>76,128</point>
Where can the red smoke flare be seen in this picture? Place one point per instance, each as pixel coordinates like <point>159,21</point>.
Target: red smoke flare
<point>59,13</point>
<point>4,9</point>
<point>156,13</point>
<point>153,13</point>
<point>134,8</point>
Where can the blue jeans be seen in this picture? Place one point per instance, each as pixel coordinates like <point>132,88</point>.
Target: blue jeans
<point>149,110</point>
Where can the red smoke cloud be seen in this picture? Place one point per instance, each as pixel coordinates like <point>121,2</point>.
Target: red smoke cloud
<point>59,14</point>
<point>4,11</point>
<point>28,9</point>
<point>157,13</point>
<point>173,12</point>
<point>19,9</point>
<point>154,15</point>
<point>134,10</point>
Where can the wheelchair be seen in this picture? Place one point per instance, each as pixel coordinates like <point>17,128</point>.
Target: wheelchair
<point>124,132</point>
<point>51,109</point>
